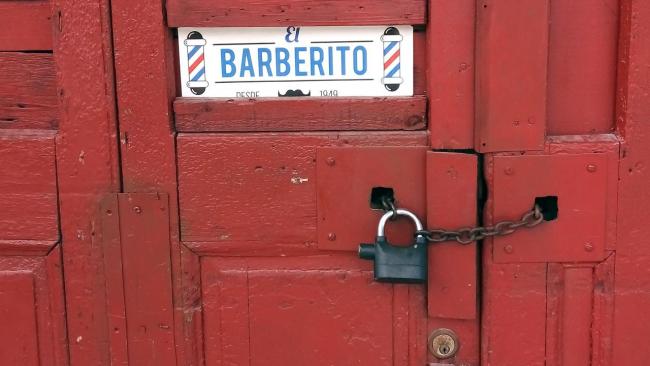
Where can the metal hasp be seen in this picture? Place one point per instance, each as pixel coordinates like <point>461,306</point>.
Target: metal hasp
<point>397,264</point>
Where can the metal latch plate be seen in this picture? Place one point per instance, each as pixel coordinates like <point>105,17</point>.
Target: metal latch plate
<point>580,183</point>
<point>345,177</point>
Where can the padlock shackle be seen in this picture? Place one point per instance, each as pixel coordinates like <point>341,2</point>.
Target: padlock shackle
<point>399,212</point>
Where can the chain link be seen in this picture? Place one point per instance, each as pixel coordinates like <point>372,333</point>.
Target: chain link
<point>468,235</point>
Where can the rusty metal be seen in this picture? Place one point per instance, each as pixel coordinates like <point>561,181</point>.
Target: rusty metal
<point>443,343</point>
<point>468,235</point>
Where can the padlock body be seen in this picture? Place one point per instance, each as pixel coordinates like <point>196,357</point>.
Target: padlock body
<point>400,264</point>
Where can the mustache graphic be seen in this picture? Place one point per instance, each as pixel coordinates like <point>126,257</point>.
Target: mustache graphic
<point>294,93</point>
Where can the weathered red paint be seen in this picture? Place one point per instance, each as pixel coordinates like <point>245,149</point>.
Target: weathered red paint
<point>578,233</point>
<point>145,261</point>
<point>208,289</point>
<point>268,13</point>
<point>452,288</point>
<point>87,166</point>
<point>32,307</point>
<point>511,74</point>
<point>345,177</point>
<point>632,289</point>
<point>203,115</point>
<point>582,67</point>
<point>26,26</point>
<point>143,46</point>
<point>28,97</point>
<point>28,186</point>
<point>110,236</point>
<point>277,173</point>
<point>450,73</point>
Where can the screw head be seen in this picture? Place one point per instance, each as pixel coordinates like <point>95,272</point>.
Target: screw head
<point>137,209</point>
<point>330,161</point>
<point>589,247</point>
<point>331,236</point>
<point>591,168</point>
<point>508,249</point>
<point>509,171</point>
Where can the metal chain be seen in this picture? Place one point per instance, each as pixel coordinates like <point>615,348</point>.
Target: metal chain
<point>468,235</point>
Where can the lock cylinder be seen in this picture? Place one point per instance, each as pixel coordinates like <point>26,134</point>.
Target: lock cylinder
<point>367,251</point>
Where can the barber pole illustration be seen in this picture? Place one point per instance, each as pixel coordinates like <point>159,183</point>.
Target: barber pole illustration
<point>392,40</point>
<point>196,62</point>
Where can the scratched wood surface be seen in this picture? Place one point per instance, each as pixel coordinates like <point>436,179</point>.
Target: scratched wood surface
<point>28,186</point>
<point>305,114</point>
<point>28,97</point>
<point>266,13</point>
<point>87,166</point>
<point>228,182</point>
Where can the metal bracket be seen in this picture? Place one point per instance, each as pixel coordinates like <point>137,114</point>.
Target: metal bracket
<point>345,178</point>
<point>580,183</point>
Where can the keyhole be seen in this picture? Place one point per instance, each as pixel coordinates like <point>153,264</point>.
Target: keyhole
<point>444,350</point>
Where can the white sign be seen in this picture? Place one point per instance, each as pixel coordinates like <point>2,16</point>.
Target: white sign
<point>296,61</point>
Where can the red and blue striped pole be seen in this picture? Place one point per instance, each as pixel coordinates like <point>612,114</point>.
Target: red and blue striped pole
<point>196,62</point>
<point>392,73</point>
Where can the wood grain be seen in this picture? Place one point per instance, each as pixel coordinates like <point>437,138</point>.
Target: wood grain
<point>28,186</point>
<point>300,114</point>
<point>28,91</point>
<point>258,191</point>
<point>266,13</point>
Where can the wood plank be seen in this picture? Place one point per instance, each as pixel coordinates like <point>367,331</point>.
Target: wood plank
<point>300,114</point>
<point>453,276</point>
<point>229,181</point>
<point>317,307</point>
<point>266,13</point>
<point>17,311</point>
<point>32,305</point>
<point>148,151</point>
<point>632,277</point>
<point>87,167</point>
<point>147,278</point>
<point>512,49</point>
<point>570,315</point>
<point>25,26</point>
<point>28,189</point>
<point>582,66</point>
<point>28,97</point>
<point>450,73</point>
<point>514,318</point>
<point>26,247</point>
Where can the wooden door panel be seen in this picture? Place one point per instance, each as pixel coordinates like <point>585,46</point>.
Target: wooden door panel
<point>243,192</point>
<point>299,311</point>
<point>28,97</point>
<point>31,310</point>
<point>28,189</point>
<point>26,25</point>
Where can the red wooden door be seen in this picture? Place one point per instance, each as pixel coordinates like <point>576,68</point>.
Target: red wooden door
<point>252,273</point>
<point>212,232</point>
<point>545,96</point>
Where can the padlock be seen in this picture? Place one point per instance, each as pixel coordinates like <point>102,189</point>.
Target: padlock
<point>397,264</point>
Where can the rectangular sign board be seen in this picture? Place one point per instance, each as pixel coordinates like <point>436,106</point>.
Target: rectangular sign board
<point>260,62</point>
